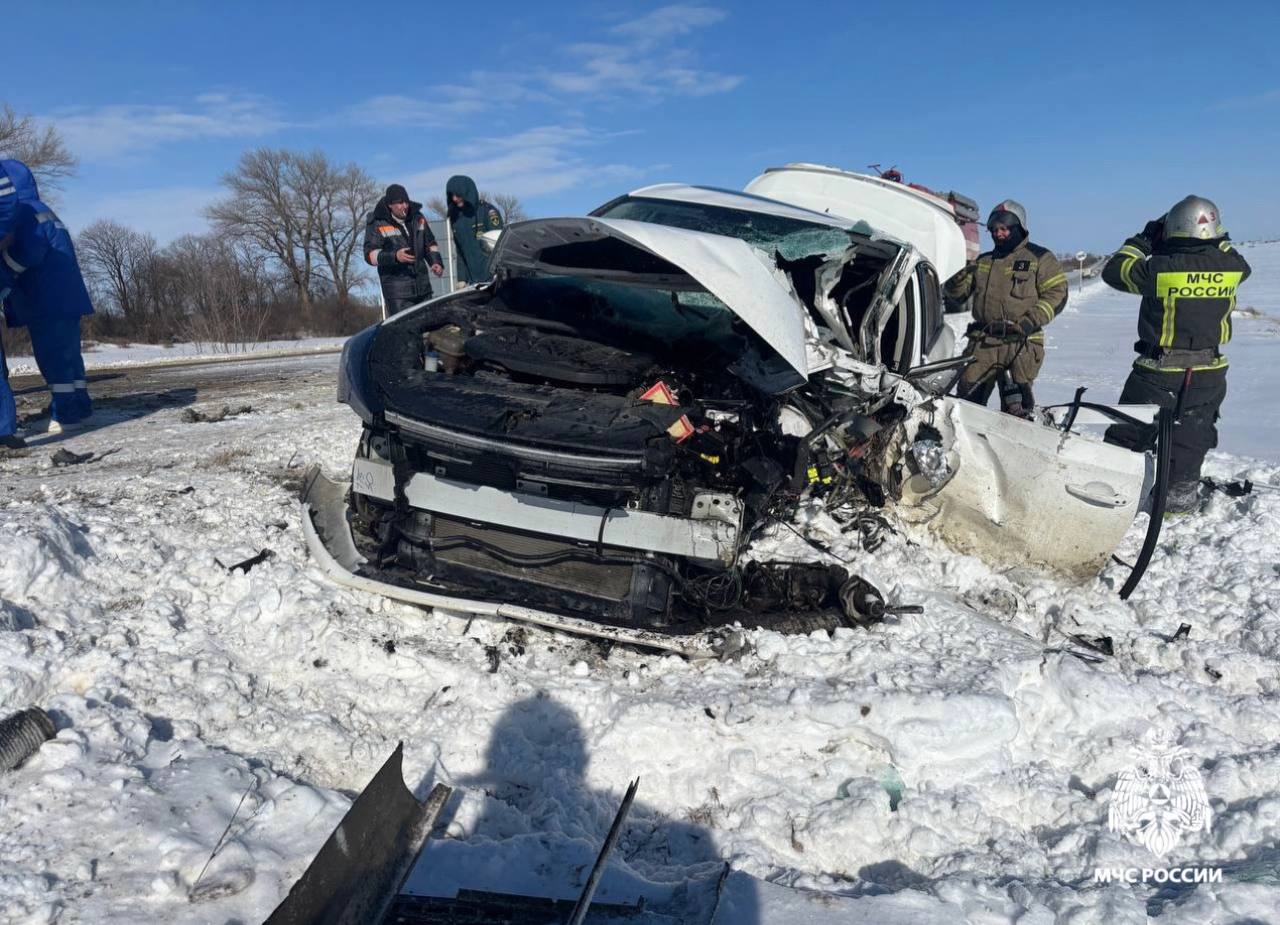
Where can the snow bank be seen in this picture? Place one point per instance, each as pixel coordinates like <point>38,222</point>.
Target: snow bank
<point>106,356</point>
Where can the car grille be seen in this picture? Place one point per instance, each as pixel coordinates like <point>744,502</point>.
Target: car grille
<point>611,581</point>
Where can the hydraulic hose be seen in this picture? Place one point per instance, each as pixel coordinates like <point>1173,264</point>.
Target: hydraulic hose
<point>1164,450</point>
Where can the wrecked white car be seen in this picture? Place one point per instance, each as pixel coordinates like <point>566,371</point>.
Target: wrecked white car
<point>592,440</point>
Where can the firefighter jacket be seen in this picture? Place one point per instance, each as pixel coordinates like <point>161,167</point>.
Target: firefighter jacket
<point>39,267</point>
<point>1188,291</point>
<point>386,235</point>
<point>1025,283</point>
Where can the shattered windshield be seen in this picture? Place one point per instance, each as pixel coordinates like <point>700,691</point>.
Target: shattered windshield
<point>790,237</point>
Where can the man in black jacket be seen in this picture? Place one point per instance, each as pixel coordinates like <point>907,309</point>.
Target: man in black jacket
<point>398,241</point>
<point>1187,272</point>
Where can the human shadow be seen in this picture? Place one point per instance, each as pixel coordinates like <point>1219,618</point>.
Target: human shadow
<point>531,826</point>
<point>107,412</point>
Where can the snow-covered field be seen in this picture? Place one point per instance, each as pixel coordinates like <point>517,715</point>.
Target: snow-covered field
<point>107,356</point>
<point>938,768</point>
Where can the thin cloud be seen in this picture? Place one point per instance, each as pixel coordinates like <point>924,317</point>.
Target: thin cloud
<point>1267,98</point>
<point>406,112</point>
<point>669,21</point>
<point>535,162</point>
<point>446,105</point>
<point>645,60</point>
<point>641,58</point>
<point>117,130</point>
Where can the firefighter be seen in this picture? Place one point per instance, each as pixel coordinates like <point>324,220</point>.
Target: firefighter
<point>1187,272</point>
<point>1017,288</point>
<point>399,242</point>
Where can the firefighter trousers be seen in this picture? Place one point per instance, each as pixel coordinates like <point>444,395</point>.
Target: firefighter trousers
<point>1021,360</point>
<point>1196,431</point>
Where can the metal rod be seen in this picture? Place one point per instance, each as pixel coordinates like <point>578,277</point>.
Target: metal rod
<point>448,243</point>
<point>584,901</point>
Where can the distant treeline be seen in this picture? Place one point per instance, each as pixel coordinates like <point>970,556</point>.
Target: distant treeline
<point>282,258</point>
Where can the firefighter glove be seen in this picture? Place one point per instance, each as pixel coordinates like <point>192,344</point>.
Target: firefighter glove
<point>1000,328</point>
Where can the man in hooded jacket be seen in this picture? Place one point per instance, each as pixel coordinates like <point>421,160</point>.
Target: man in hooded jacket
<point>469,217</point>
<point>47,295</point>
<point>399,242</point>
<point>1017,288</point>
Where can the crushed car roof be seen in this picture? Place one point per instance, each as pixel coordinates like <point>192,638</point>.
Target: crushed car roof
<point>753,202</point>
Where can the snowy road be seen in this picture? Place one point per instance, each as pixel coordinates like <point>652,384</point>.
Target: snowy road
<point>937,768</point>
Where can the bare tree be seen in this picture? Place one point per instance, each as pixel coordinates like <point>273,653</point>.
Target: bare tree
<point>119,264</point>
<point>347,195</point>
<point>219,289</point>
<point>435,207</point>
<point>41,149</point>
<point>509,205</point>
<point>303,212</point>
<point>267,206</point>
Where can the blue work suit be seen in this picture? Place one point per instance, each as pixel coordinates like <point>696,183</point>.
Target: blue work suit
<point>8,201</point>
<point>8,206</point>
<point>47,295</point>
<point>8,407</point>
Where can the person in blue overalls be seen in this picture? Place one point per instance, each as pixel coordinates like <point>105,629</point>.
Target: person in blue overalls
<point>47,295</point>
<point>9,438</point>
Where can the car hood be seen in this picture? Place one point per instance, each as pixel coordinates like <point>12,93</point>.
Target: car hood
<point>740,276</point>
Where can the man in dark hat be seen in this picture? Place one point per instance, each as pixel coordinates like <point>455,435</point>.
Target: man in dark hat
<point>398,241</point>
<point>1017,288</point>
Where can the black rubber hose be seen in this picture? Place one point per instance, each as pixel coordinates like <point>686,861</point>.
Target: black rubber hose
<point>1164,449</point>
<point>21,736</point>
<point>1075,409</point>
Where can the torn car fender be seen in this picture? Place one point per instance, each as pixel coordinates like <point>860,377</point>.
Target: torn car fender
<point>1016,492</point>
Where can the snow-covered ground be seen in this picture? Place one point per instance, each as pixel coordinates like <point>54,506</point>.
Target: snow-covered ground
<point>105,355</point>
<point>939,768</point>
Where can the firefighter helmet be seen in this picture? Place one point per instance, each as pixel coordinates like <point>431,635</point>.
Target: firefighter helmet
<point>1009,207</point>
<point>1194,217</point>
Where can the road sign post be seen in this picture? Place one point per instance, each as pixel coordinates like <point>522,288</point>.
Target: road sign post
<point>1081,256</point>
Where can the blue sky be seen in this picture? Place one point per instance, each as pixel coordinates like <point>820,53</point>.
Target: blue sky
<point>1095,116</point>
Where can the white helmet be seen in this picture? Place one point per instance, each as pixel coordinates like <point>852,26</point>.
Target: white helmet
<point>1013,208</point>
<point>1194,217</point>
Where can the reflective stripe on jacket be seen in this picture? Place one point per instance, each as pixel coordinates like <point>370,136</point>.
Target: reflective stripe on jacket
<point>1027,282</point>
<point>1188,290</point>
<point>384,234</point>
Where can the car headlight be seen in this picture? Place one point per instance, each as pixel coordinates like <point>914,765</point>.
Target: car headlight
<point>931,461</point>
<point>355,382</point>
